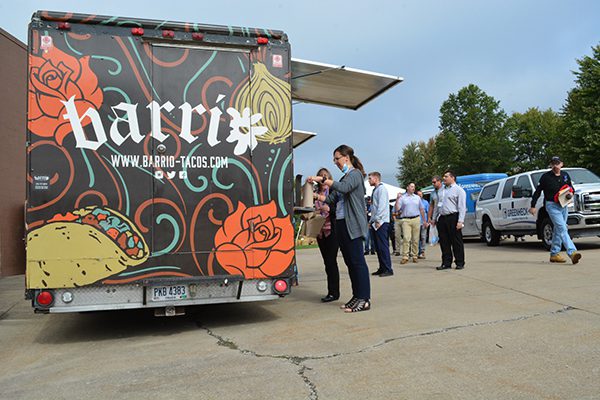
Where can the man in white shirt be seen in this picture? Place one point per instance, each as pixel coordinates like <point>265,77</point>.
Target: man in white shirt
<point>452,207</point>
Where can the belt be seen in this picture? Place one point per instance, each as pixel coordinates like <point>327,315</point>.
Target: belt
<point>416,216</point>
<point>447,215</point>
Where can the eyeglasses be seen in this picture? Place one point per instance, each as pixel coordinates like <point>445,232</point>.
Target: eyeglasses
<point>337,158</point>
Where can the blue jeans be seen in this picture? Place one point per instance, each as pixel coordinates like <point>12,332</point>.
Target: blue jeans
<point>560,234</point>
<point>355,261</point>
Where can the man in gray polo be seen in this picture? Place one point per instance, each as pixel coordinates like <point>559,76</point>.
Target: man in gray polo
<point>452,209</point>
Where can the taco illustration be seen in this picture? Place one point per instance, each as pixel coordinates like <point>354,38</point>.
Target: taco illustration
<point>82,247</point>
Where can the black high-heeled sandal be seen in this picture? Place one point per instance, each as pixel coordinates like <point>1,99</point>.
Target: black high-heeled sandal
<point>350,303</point>
<point>360,305</point>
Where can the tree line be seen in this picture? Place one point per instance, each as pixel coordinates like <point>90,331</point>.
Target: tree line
<point>477,136</point>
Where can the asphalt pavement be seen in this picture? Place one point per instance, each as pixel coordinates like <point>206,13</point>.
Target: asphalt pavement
<point>509,326</point>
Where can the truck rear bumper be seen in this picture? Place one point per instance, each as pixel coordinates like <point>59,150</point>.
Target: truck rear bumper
<point>143,295</point>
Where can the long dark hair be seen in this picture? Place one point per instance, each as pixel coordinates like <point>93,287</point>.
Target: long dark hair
<point>329,176</point>
<point>349,152</point>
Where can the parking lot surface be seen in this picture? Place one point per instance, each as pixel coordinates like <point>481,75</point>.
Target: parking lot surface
<point>509,326</point>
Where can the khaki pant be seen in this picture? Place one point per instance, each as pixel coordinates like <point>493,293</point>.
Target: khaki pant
<point>410,230</point>
<point>398,234</point>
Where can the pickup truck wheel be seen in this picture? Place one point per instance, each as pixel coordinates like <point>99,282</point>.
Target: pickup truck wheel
<point>490,235</point>
<point>547,229</point>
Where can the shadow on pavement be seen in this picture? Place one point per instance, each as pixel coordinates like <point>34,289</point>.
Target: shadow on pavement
<point>110,325</point>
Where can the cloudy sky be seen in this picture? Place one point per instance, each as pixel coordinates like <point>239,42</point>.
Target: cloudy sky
<point>520,52</point>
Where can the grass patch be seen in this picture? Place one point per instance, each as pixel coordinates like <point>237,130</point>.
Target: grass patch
<point>307,246</point>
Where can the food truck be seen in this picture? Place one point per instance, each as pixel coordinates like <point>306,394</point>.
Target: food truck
<point>160,160</point>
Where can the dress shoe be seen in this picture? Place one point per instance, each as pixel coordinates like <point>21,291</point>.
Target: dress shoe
<point>460,267</point>
<point>404,261</point>
<point>366,253</point>
<point>372,253</point>
<point>386,273</point>
<point>329,298</point>
<point>557,258</point>
<point>442,267</point>
<point>378,272</point>
<point>396,253</point>
<point>575,257</point>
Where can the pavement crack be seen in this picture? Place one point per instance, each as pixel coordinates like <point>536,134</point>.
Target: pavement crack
<point>529,294</point>
<point>298,361</point>
<point>474,324</point>
<point>294,360</point>
<point>5,313</point>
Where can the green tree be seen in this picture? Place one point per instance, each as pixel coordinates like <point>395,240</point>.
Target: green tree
<point>535,137</point>
<point>417,163</point>
<point>582,115</point>
<point>472,138</point>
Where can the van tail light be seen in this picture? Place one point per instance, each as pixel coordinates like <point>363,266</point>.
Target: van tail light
<point>137,31</point>
<point>44,298</point>
<point>262,40</point>
<point>168,34</point>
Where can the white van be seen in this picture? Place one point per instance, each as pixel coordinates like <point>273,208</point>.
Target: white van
<point>503,208</point>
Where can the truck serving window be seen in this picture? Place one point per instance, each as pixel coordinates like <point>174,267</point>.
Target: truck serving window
<point>488,192</point>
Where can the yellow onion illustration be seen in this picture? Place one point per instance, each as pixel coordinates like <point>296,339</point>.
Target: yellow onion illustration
<point>271,97</point>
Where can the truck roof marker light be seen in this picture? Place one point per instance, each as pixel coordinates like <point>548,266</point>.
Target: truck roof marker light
<point>44,298</point>
<point>168,34</point>
<point>262,40</point>
<point>197,36</point>
<point>137,31</point>
<point>65,26</point>
<point>280,286</point>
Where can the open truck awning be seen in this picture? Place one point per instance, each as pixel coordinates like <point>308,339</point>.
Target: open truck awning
<point>300,137</point>
<point>335,85</point>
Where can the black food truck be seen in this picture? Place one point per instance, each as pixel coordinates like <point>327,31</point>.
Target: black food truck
<point>160,160</point>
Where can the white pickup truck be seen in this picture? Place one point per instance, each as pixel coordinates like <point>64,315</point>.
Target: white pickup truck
<point>503,208</point>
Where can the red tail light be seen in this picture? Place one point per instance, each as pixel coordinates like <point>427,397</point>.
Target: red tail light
<point>197,36</point>
<point>168,34</point>
<point>65,26</point>
<point>137,31</point>
<point>44,298</point>
<point>280,286</point>
<point>262,40</point>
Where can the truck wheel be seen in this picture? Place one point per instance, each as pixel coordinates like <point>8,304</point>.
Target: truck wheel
<point>547,228</point>
<point>490,235</point>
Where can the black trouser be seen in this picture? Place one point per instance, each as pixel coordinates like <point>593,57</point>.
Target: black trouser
<point>329,248</point>
<point>451,240</point>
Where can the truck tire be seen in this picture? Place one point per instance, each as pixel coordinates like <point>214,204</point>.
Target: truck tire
<point>490,235</point>
<point>546,229</point>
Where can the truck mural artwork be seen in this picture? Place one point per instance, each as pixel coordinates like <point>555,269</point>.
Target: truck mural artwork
<point>159,162</point>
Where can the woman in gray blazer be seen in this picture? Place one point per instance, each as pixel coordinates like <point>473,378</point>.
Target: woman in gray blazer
<point>351,227</point>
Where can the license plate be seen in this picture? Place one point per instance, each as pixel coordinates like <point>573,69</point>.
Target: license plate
<point>174,292</point>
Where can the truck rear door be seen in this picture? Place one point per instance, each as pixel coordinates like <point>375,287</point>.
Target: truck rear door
<point>198,178</point>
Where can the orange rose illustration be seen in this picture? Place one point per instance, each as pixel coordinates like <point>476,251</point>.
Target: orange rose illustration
<point>255,243</point>
<point>56,77</point>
